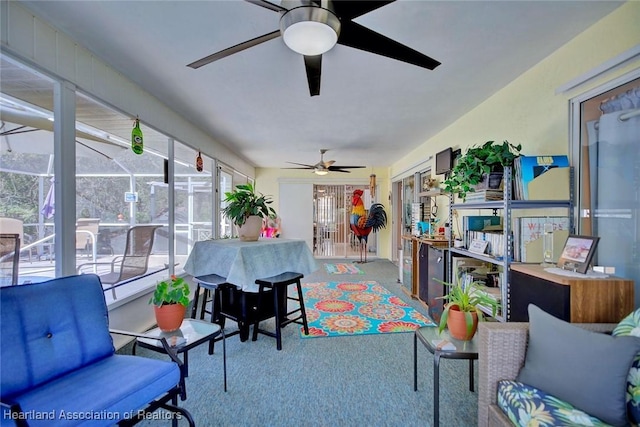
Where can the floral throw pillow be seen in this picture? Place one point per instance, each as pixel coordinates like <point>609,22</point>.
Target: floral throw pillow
<point>630,325</point>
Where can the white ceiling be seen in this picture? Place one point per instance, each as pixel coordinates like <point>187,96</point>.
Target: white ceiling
<point>371,110</point>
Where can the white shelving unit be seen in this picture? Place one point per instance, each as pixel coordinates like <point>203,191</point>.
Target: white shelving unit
<point>507,205</point>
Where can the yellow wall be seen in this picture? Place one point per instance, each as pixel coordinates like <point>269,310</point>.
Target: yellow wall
<point>527,111</point>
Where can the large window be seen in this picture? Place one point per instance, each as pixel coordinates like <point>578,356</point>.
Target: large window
<point>117,189</point>
<point>194,209</point>
<point>26,164</point>
<point>112,190</point>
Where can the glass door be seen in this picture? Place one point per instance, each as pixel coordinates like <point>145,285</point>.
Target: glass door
<point>332,235</point>
<point>609,178</point>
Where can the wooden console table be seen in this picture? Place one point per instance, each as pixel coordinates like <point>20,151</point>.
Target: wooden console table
<point>574,299</point>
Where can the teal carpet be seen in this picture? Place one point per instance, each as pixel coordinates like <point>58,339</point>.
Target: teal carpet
<point>336,309</point>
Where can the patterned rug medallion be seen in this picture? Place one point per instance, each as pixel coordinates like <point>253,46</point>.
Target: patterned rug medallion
<point>336,309</point>
<point>343,269</point>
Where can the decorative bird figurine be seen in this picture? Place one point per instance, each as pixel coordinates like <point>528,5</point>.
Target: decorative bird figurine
<point>362,225</point>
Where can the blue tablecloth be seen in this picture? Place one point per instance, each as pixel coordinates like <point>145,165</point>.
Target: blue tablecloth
<point>244,262</point>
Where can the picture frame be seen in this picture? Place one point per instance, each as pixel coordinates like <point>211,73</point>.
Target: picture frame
<point>478,246</point>
<point>578,252</point>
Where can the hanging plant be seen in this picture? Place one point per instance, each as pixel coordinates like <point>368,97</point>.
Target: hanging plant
<point>477,161</point>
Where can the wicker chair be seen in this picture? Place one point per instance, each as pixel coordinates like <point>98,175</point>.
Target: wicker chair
<point>500,357</point>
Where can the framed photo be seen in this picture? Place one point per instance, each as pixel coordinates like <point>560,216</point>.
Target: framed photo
<point>578,252</point>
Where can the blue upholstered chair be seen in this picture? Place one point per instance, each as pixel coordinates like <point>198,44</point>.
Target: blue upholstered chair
<point>58,362</point>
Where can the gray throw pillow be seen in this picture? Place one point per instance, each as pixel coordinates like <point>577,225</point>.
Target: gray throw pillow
<point>584,368</point>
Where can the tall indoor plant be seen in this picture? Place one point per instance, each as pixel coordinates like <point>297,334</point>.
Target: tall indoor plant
<point>477,161</point>
<point>462,311</point>
<point>170,300</point>
<point>246,208</point>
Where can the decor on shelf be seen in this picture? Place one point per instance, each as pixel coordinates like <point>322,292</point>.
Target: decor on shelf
<point>246,208</point>
<point>463,309</point>
<point>170,301</point>
<point>477,164</point>
<point>578,252</point>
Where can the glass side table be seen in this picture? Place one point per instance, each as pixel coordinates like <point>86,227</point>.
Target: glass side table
<point>430,337</point>
<point>191,334</point>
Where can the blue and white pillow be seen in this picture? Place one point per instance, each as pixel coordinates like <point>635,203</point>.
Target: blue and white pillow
<point>630,325</point>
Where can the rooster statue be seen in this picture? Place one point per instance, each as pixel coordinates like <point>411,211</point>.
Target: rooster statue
<point>362,225</point>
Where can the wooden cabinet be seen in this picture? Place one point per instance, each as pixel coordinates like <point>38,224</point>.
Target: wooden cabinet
<point>432,266</point>
<point>437,260</point>
<point>410,265</point>
<point>574,299</point>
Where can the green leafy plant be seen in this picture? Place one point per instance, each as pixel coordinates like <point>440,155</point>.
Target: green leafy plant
<point>244,201</point>
<point>477,161</point>
<point>468,298</point>
<point>173,291</point>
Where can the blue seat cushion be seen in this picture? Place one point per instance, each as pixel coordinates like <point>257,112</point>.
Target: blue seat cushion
<point>102,393</point>
<point>526,406</point>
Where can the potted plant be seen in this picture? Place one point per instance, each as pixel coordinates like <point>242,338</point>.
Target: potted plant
<point>462,311</point>
<point>476,165</point>
<point>170,300</point>
<point>246,208</point>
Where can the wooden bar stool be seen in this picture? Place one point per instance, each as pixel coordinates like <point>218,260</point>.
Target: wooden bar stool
<point>279,285</point>
<point>212,285</point>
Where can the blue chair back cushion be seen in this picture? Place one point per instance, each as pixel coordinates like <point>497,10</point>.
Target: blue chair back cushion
<point>49,329</point>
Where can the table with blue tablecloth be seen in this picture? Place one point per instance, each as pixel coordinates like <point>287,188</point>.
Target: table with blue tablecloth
<point>241,263</point>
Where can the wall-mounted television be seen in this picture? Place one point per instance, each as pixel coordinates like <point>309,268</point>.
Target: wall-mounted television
<point>444,161</point>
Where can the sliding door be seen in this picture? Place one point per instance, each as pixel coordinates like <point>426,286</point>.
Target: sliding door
<point>608,127</point>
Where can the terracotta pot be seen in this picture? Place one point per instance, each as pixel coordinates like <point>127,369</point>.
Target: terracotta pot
<point>170,316</point>
<point>250,230</point>
<point>458,326</point>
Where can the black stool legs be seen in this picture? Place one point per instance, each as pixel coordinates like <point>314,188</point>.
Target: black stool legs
<point>279,285</point>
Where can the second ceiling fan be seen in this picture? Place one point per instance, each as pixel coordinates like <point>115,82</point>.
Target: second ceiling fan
<point>323,168</point>
<point>313,27</point>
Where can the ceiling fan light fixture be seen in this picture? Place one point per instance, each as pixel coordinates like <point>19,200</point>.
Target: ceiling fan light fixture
<point>321,172</point>
<point>310,30</point>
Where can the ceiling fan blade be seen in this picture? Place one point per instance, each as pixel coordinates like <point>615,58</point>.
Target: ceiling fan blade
<point>345,167</point>
<point>234,49</point>
<point>339,170</point>
<point>267,5</point>
<point>313,65</point>
<point>359,37</point>
<point>302,164</point>
<point>348,10</point>
<point>328,163</point>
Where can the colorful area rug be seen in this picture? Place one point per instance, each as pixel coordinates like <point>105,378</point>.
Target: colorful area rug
<point>337,309</point>
<point>343,269</point>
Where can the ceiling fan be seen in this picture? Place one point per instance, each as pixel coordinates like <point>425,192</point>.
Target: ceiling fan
<point>313,27</point>
<point>323,168</point>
